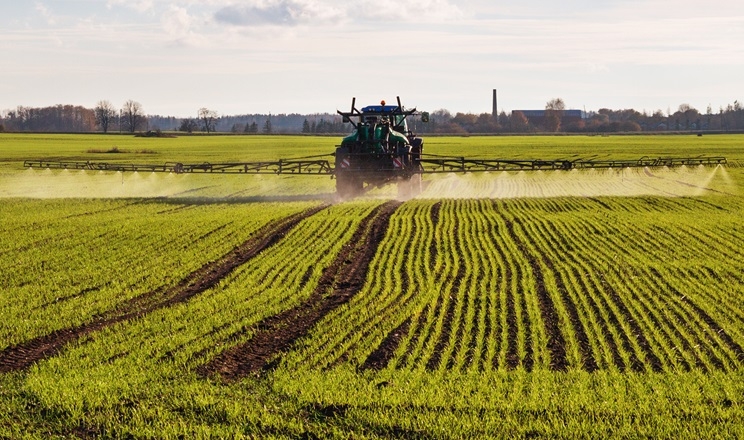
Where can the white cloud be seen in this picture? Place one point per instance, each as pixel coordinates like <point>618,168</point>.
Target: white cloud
<point>310,12</point>
<point>178,25</point>
<point>279,12</point>
<point>44,11</point>
<point>137,5</point>
<point>408,11</point>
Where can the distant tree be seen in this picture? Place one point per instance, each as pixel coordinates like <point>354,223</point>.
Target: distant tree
<point>306,126</point>
<point>132,115</point>
<point>465,120</point>
<point>105,114</point>
<point>2,128</point>
<point>503,121</point>
<point>251,128</point>
<point>188,125</point>
<point>267,126</point>
<point>487,123</point>
<point>576,126</point>
<point>629,126</point>
<point>519,122</point>
<point>208,118</point>
<point>686,108</point>
<point>58,118</point>
<point>238,128</point>
<point>553,114</point>
<point>686,113</point>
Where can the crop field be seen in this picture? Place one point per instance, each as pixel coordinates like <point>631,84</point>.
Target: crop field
<point>551,304</point>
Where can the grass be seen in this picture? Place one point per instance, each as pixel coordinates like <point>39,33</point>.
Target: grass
<point>646,272</point>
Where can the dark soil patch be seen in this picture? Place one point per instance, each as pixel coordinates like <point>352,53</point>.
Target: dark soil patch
<point>338,284</point>
<point>379,358</point>
<point>25,354</point>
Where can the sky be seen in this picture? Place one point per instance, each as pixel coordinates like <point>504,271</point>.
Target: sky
<point>313,56</point>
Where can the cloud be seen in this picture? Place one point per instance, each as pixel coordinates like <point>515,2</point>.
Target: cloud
<point>137,5</point>
<point>44,11</point>
<point>299,12</point>
<point>279,12</point>
<point>408,11</point>
<point>177,24</point>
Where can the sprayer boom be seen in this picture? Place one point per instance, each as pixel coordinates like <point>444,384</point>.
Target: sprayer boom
<point>464,164</point>
<point>296,166</point>
<point>428,165</point>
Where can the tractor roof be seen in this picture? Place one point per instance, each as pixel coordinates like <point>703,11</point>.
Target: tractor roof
<point>381,109</point>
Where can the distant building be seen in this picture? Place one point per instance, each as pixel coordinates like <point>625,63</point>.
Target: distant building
<point>537,117</point>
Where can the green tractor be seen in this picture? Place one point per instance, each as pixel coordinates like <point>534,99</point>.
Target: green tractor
<point>381,150</point>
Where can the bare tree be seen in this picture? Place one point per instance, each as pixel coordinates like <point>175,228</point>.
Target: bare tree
<point>188,125</point>
<point>105,114</point>
<point>553,114</point>
<point>208,118</point>
<point>132,115</point>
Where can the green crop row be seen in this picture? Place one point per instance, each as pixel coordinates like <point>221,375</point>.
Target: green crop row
<point>462,281</point>
<point>545,283</point>
<point>64,262</point>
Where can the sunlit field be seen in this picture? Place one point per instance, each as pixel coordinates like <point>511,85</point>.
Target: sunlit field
<point>530,304</point>
<point>39,183</point>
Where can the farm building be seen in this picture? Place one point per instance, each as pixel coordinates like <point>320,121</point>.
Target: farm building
<point>537,117</point>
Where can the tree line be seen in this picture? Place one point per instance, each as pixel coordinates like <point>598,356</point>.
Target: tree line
<point>131,118</point>
<point>554,120</point>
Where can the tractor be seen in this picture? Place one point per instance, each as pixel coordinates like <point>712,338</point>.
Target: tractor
<point>381,149</point>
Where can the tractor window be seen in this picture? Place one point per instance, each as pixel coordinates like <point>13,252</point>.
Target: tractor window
<point>400,124</point>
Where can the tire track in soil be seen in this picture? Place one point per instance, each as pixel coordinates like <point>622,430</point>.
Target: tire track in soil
<point>23,355</point>
<point>383,354</point>
<point>277,333</point>
<point>399,302</point>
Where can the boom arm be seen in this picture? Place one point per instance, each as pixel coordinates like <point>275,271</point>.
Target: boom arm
<point>295,166</point>
<point>429,165</point>
<point>464,164</point>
